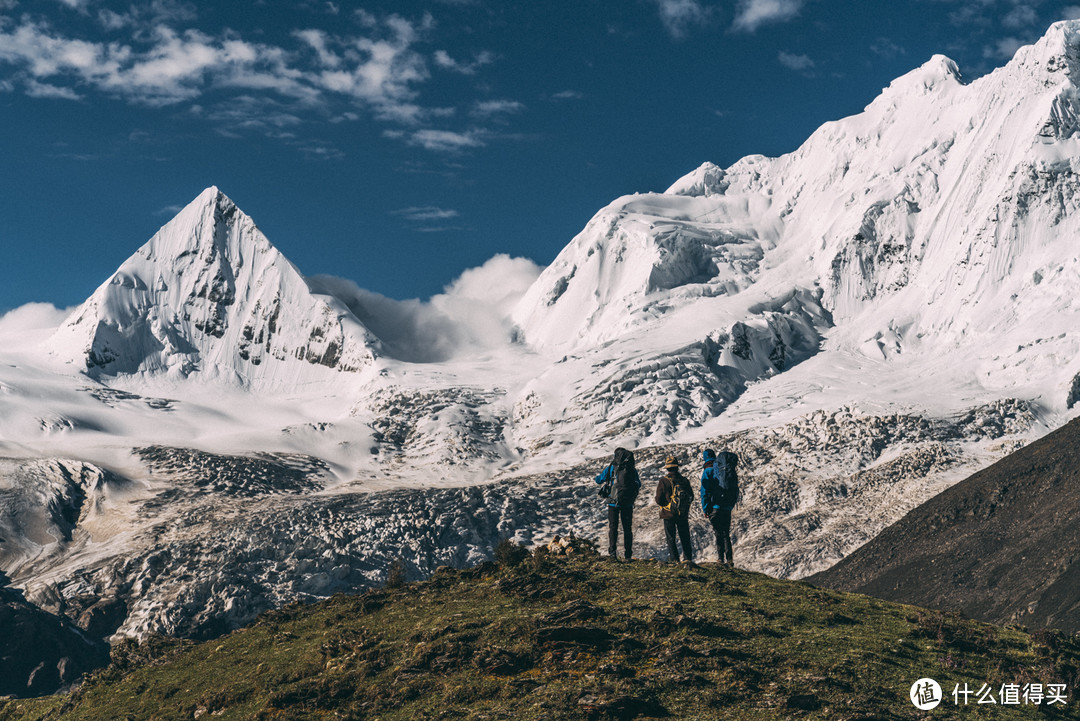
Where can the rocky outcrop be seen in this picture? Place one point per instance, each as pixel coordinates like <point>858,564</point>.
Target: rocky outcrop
<point>39,652</point>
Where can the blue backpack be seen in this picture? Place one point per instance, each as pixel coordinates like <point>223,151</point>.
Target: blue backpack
<point>720,481</point>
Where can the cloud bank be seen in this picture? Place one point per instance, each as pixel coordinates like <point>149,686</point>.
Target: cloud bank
<point>151,56</point>
<point>164,66</point>
<point>31,317</point>
<point>471,315</point>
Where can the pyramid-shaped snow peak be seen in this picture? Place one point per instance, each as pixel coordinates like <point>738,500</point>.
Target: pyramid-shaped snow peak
<point>209,295</point>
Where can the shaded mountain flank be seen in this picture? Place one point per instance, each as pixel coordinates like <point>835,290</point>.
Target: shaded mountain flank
<point>1001,546</point>
<point>40,652</point>
<point>552,637</point>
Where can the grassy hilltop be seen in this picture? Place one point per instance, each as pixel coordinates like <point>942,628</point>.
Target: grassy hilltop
<point>577,637</point>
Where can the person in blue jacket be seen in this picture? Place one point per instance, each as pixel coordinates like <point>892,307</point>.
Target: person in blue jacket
<point>719,493</point>
<point>619,484</point>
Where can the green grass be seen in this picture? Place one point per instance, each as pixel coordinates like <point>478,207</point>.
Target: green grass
<point>576,638</point>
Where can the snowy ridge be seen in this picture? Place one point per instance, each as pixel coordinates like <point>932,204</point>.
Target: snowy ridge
<point>209,295</point>
<point>939,221</point>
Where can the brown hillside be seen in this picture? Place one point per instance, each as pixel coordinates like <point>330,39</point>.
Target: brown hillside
<point>1001,546</point>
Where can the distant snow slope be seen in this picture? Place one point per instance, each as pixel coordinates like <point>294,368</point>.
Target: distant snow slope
<point>866,320</point>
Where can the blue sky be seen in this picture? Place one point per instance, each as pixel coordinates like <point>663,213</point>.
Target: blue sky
<point>397,144</point>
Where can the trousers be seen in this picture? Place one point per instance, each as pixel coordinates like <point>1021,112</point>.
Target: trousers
<point>681,525</point>
<point>625,514</point>
<point>721,523</point>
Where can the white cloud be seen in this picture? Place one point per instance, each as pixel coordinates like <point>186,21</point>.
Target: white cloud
<point>679,16</point>
<point>144,56</point>
<point>445,140</point>
<point>174,68</point>
<point>472,313</point>
<point>318,41</point>
<point>1070,12</point>
<point>754,13</point>
<point>443,60</point>
<point>365,18</point>
<point>43,90</point>
<point>316,149</point>
<point>1020,16</point>
<point>254,112</point>
<point>425,213</point>
<point>795,62</point>
<point>385,75</point>
<point>490,108</point>
<point>32,317</point>
<point>163,66</point>
<point>145,17</point>
<point>409,330</point>
<point>568,95</point>
<point>482,299</point>
<point>886,48</point>
<point>1003,49</point>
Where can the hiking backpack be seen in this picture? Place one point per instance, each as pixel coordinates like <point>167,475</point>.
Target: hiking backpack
<point>681,498</point>
<point>724,489</point>
<point>624,489</point>
<point>726,462</point>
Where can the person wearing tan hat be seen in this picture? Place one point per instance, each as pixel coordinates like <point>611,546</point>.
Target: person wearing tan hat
<point>675,495</point>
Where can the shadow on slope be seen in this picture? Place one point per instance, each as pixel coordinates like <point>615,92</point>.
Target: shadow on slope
<point>999,546</point>
<point>40,652</point>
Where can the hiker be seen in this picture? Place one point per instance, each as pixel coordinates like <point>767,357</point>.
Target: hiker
<point>675,495</point>
<point>619,484</point>
<point>719,494</point>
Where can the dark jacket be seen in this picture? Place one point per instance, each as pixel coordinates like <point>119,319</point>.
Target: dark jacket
<point>666,487</point>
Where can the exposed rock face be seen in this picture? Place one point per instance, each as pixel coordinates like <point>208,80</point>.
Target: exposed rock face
<point>40,652</point>
<point>1000,546</point>
<point>46,505</point>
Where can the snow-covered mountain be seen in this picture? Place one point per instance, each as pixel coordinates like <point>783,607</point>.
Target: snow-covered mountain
<point>940,221</point>
<point>865,320</point>
<point>209,296</point>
